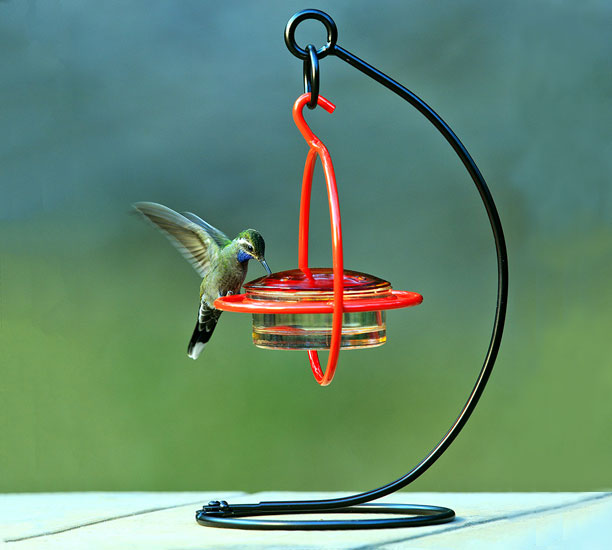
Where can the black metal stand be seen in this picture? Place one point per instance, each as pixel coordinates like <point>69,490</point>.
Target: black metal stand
<point>222,514</point>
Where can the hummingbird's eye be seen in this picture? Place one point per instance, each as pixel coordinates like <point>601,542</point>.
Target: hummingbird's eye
<point>249,248</point>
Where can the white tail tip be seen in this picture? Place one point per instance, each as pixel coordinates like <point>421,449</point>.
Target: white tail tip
<point>197,349</point>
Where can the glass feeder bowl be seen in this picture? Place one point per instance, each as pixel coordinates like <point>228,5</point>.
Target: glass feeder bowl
<point>293,310</point>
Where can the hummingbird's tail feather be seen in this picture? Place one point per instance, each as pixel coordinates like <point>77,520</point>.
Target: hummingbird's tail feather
<point>205,325</point>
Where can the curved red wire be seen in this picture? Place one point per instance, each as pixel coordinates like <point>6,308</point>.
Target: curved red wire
<point>317,148</point>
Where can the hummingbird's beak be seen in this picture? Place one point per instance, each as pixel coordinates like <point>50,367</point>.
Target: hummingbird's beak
<point>263,262</point>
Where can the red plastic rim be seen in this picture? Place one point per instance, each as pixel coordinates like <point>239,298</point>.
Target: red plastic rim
<point>242,304</point>
<point>312,291</point>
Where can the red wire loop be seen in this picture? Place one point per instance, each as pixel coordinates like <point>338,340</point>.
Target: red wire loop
<point>317,148</point>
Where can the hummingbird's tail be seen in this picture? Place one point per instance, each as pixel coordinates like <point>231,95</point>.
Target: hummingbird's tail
<point>205,325</point>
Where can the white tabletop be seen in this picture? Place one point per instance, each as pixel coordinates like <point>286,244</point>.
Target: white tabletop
<point>166,520</point>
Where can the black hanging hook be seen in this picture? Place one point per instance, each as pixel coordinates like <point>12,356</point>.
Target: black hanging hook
<point>330,25</point>
<point>311,76</point>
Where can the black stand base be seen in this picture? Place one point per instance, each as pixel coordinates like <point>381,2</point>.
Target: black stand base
<point>221,514</point>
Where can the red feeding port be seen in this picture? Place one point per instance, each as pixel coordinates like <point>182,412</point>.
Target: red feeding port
<point>318,308</point>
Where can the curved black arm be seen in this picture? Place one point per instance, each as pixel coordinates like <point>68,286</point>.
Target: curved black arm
<point>220,513</point>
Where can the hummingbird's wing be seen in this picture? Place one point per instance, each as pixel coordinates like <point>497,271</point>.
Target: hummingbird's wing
<point>219,237</point>
<point>192,241</point>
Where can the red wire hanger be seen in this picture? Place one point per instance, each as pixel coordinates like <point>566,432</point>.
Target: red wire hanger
<point>317,148</point>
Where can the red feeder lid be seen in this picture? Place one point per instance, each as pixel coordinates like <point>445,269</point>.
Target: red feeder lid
<point>312,291</point>
<point>315,280</point>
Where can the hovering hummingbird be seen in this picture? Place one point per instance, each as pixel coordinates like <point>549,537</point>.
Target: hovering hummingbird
<point>221,262</point>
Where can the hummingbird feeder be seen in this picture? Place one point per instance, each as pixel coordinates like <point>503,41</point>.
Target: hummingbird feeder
<point>312,309</point>
<point>331,309</point>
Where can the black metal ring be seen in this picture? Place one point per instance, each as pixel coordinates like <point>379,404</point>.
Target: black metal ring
<point>330,25</point>
<point>311,76</point>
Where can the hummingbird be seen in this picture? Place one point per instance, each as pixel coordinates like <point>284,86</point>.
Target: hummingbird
<point>220,261</point>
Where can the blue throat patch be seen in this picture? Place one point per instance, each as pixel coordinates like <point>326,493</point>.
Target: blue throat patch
<point>243,256</point>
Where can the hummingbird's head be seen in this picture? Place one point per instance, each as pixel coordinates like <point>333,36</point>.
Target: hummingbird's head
<point>251,246</point>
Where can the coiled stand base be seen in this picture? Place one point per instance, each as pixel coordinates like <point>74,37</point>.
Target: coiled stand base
<point>221,514</point>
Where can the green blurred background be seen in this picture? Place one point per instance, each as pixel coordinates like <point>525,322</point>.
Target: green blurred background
<point>188,103</point>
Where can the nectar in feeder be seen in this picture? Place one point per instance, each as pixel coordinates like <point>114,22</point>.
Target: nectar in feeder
<point>293,310</point>
<point>306,331</point>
